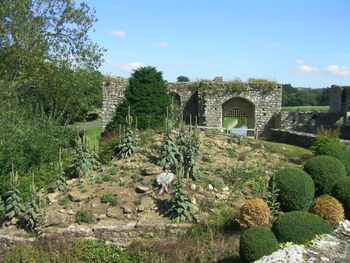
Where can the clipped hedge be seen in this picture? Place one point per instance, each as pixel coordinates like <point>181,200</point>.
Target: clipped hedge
<point>257,242</point>
<point>299,227</point>
<point>254,212</point>
<point>296,189</point>
<point>341,191</point>
<point>325,171</point>
<point>329,208</point>
<point>337,150</point>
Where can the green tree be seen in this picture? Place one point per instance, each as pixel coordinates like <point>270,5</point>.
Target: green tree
<point>183,79</point>
<point>45,48</point>
<point>148,98</point>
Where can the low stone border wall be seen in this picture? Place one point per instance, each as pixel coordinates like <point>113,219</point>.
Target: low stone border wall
<point>296,138</point>
<point>119,234</point>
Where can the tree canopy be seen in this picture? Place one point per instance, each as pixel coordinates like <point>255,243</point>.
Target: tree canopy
<point>304,96</point>
<point>183,79</point>
<point>46,50</point>
<point>148,98</point>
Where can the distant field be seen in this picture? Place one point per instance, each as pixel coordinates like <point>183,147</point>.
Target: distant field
<point>228,121</point>
<point>305,108</point>
<point>92,132</point>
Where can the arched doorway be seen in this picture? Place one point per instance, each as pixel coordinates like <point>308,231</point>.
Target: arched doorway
<point>239,113</point>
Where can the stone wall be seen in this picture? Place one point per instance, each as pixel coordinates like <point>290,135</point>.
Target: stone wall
<point>113,94</point>
<point>208,106</point>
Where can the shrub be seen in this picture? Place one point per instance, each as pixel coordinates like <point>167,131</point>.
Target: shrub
<point>341,191</point>
<point>299,227</point>
<point>329,208</point>
<point>84,216</point>
<point>337,150</point>
<point>296,189</point>
<point>257,242</point>
<point>325,171</point>
<point>254,212</point>
<point>109,199</point>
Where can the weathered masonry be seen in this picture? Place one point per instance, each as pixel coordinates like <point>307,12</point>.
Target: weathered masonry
<point>210,102</point>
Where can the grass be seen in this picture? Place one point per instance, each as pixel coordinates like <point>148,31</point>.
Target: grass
<point>93,134</point>
<point>228,121</point>
<point>305,108</point>
<point>289,151</point>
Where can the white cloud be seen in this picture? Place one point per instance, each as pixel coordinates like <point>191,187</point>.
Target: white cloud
<point>340,71</point>
<point>161,44</point>
<point>129,67</point>
<point>303,68</point>
<point>120,34</point>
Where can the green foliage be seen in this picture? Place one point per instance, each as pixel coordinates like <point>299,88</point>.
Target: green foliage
<point>33,217</point>
<point>31,142</point>
<point>271,198</point>
<point>84,161</point>
<point>337,150</point>
<point>52,51</point>
<point>65,202</point>
<point>182,78</point>
<point>14,205</point>
<point>169,152</point>
<point>2,210</point>
<point>84,216</point>
<point>128,143</point>
<point>296,189</point>
<point>109,198</point>
<point>341,191</point>
<point>304,96</point>
<point>257,242</point>
<point>325,172</point>
<point>77,252</point>
<point>59,184</point>
<point>180,206</point>
<point>148,98</point>
<point>325,136</point>
<point>299,227</point>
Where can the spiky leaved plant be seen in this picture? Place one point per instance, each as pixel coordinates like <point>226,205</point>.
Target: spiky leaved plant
<point>271,198</point>
<point>33,217</point>
<point>128,143</point>
<point>2,210</point>
<point>180,207</point>
<point>84,161</point>
<point>14,204</point>
<point>190,154</point>
<point>59,184</point>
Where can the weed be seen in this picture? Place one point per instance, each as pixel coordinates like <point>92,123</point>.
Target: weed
<point>84,216</point>
<point>65,202</point>
<point>123,183</point>
<point>108,178</point>
<point>109,199</point>
<point>113,171</point>
<point>96,180</point>
<point>136,178</point>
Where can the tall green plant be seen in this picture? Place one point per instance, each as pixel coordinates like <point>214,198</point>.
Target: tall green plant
<point>128,143</point>
<point>84,161</point>
<point>180,207</point>
<point>33,216</point>
<point>59,184</point>
<point>14,204</point>
<point>190,154</point>
<point>272,198</point>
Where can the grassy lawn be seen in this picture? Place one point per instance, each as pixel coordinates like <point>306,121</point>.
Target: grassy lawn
<point>93,134</point>
<point>305,108</point>
<point>290,151</point>
<point>228,121</point>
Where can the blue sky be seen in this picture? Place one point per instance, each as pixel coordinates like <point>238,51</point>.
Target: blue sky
<point>302,42</point>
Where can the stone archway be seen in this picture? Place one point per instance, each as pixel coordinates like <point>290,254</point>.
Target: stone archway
<point>240,108</point>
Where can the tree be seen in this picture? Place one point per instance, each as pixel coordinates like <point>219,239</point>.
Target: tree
<point>45,48</point>
<point>183,79</point>
<point>148,98</point>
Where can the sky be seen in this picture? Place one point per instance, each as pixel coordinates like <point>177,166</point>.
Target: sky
<point>302,42</point>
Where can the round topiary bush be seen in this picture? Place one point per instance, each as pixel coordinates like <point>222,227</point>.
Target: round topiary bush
<point>337,150</point>
<point>299,227</point>
<point>296,189</point>
<point>257,242</point>
<point>254,212</point>
<point>325,170</point>
<point>329,208</point>
<point>341,191</point>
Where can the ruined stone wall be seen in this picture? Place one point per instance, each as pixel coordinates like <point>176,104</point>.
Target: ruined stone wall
<point>113,94</point>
